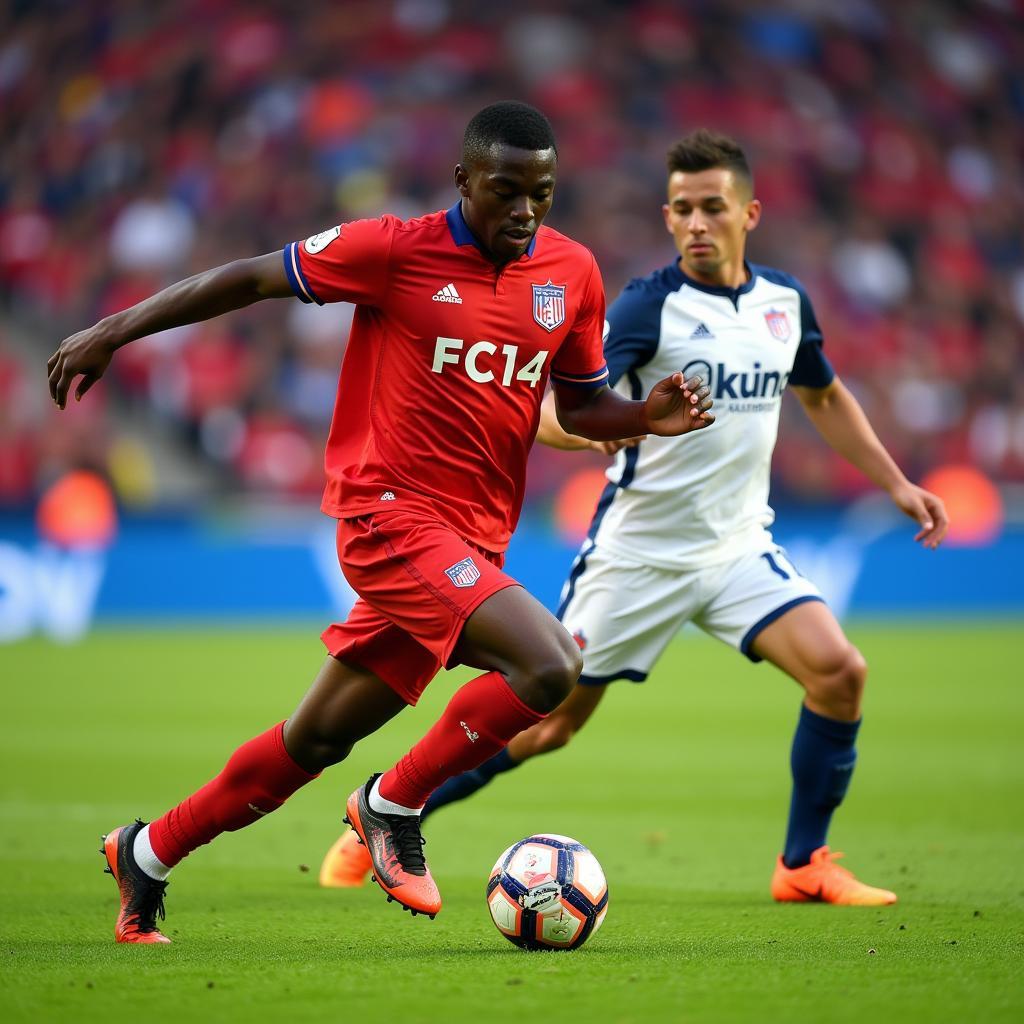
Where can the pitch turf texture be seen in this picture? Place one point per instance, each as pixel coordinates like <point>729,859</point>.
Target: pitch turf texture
<point>679,786</point>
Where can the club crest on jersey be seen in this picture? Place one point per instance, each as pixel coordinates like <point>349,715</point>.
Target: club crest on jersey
<point>549,305</point>
<point>778,324</point>
<point>464,573</point>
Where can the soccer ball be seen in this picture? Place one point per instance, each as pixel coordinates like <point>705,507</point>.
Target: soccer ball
<point>547,892</point>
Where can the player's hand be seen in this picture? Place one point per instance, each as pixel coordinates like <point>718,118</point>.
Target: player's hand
<point>614,447</point>
<point>926,509</point>
<point>677,406</point>
<point>86,354</point>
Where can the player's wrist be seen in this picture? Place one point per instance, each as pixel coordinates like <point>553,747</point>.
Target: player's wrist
<point>642,424</point>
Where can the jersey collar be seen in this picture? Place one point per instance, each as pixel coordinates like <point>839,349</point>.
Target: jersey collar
<point>713,289</point>
<point>461,235</point>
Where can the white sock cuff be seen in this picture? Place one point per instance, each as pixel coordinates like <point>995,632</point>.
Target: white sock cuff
<point>146,858</point>
<point>384,806</point>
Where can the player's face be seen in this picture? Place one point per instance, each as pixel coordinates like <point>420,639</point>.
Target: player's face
<point>709,213</point>
<point>506,197</point>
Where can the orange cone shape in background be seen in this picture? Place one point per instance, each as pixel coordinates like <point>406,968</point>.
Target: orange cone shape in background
<point>78,511</point>
<point>973,502</point>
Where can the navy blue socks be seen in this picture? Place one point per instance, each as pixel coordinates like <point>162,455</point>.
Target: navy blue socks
<point>466,784</point>
<point>822,762</point>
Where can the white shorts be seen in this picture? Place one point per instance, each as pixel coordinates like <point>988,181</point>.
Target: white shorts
<point>623,614</point>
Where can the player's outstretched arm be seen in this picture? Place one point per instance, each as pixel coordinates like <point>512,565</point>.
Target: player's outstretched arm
<point>674,406</point>
<point>550,433</point>
<point>87,354</point>
<point>841,421</point>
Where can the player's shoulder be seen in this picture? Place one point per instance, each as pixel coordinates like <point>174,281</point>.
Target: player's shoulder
<point>424,223</point>
<point>649,291</point>
<point>660,282</point>
<point>551,243</point>
<point>779,278</point>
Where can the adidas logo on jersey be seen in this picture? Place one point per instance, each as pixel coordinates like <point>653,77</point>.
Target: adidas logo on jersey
<point>701,331</point>
<point>388,496</point>
<point>448,294</point>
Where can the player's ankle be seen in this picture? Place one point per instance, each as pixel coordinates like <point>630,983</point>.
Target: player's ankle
<point>146,859</point>
<point>382,805</point>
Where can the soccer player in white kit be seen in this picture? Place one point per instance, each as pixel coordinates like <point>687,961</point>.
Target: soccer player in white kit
<point>681,533</point>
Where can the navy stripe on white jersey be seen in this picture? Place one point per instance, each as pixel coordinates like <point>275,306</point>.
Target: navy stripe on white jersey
<point>703,498</point>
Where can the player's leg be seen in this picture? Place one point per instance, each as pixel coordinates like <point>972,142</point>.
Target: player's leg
<point>552,733</point>
<point>809,645</point>
<point>530,664</point>
<point>347,863</point>
<point>344,704</point>
<point>763,606</point>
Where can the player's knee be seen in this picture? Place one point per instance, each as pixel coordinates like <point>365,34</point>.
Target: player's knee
<point>315,748</point>
<point>552,675</point>
<point>840,681</point>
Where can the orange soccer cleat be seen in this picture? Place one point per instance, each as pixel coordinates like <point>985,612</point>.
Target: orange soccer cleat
<point>396,850</point>
<point>824,881</point>
<point>347,864</point>
<point>142,897</point>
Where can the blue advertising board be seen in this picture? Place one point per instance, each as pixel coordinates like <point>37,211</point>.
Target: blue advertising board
<point>196,570</point>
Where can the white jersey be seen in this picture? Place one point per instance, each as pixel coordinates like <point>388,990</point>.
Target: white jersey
<point>700,499</point>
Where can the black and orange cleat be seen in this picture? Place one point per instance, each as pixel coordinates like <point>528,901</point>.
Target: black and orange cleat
<point>142,897</point>
<point>396,849</point>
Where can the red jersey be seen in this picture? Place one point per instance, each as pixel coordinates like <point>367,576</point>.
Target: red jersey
<point>446,364</point>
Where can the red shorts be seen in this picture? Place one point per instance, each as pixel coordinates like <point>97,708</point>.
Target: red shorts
<point>417,582</point>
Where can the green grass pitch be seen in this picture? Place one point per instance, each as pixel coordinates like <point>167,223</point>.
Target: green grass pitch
<point>679,786</point>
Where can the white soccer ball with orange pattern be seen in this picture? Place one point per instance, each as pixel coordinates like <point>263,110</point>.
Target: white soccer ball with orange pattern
<point>547,892</point>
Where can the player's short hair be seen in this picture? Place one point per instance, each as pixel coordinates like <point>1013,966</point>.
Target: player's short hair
<point>704,149</point>
<point>507,123</point>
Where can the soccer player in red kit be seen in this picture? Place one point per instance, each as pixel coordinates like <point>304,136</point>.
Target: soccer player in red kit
<point>461,318</point>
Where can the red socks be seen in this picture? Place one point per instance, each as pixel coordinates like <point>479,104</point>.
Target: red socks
<point>478,722</point>
<point>259,776</point>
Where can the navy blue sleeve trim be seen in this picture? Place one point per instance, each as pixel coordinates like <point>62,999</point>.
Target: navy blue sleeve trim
<point>634,324</point>
<point>296,278</point>
<point>597,379</point>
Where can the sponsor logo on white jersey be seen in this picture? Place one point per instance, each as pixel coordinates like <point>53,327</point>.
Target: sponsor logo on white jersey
<point>701,331</point>
<point>725,383</point>
<point>448,294</point>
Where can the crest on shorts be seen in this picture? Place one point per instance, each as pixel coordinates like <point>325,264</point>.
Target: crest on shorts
<point>549,305</point>
<point>778,324</point>
<point>464,573</point>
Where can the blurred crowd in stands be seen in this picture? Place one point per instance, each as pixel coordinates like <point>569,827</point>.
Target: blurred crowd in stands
<point>146,142</point>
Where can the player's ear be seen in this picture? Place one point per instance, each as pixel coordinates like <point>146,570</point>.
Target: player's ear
<point>753,217</point>
<point>666,212</point>
<point>462,180</point>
